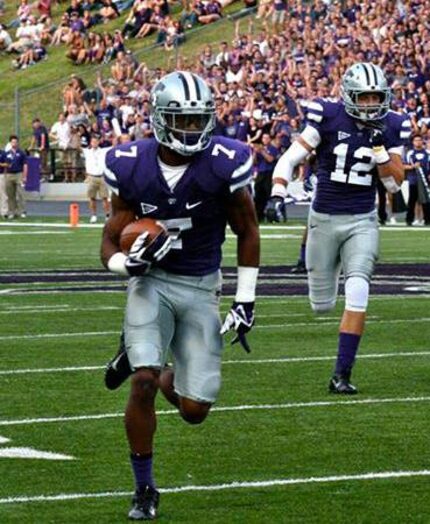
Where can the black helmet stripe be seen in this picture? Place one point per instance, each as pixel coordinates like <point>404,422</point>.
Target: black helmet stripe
<point>367,74</point>
<point>196,83</point>
<point>373,68</point>
<point>185,84</point>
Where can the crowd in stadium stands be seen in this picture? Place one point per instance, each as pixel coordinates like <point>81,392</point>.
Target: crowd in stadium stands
<point>77,28</point>
<point>263,79</point>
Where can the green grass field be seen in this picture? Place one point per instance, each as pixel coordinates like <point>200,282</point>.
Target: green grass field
<point>277,447</point>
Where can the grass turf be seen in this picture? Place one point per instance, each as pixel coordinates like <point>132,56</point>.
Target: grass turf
<point>290,441</point>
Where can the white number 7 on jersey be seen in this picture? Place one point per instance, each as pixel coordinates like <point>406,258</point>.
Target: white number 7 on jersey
<point>220,148</point>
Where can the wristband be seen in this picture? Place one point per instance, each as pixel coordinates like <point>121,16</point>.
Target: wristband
<point>246,283</point>
<point>116,263</point>
<point>279,190</point>
<point>381,155</point>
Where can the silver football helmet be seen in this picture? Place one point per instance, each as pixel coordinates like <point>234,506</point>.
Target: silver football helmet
<point>365,78</point>
<point>183,112</point>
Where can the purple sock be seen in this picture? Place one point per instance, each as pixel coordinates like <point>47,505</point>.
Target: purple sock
<point>303,253</point>
<point>348,347</point>
<point>142,469</point>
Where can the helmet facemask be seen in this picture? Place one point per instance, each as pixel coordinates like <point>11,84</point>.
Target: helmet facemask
<point>185,131</point>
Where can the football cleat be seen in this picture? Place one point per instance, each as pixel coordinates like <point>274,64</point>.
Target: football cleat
<point>299,268</point>
<point>340,384</point>
<point>118,369</point>
<point>145,503</point>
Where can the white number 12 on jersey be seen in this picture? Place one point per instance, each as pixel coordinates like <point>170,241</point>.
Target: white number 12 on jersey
<point>354,176</point>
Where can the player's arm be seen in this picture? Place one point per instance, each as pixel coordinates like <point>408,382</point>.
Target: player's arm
<point>391,172</point>
<point>242,219</point>
<point>389,164</point>
<point>121,216</point>
<point>141,255</point>
<point>299,150</point>
<point>284,169</point>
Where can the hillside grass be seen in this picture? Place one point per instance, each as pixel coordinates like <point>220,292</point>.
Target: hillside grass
<point>40,86</point>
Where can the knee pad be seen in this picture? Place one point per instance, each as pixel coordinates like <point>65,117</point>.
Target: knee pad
<point>356,294</point>
<point>323,307</point>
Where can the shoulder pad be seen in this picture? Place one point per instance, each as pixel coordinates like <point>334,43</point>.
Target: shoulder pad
<point>120,163</point>
<point>320,109</point>
<point>231,161</point>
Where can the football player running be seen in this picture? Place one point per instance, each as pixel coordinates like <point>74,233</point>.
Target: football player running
<point>356,140</point>
<point>194,184</point>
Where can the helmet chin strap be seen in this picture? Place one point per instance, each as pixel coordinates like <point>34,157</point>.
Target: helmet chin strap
<point>182,148</point>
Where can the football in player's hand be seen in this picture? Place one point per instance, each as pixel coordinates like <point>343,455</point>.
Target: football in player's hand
<point>134,229</point>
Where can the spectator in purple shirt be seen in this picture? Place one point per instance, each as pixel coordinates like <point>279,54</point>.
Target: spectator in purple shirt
<point>40,143</point>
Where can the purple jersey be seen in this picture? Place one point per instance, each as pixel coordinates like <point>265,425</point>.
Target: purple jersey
<point>346,167</point>
<point>194,211</point>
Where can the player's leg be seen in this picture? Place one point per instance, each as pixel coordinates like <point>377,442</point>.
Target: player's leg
<point>322,262</point>
<point>358,253</point>
<point>194,382</point>
<point>300,267</point>
<point>148,329</point>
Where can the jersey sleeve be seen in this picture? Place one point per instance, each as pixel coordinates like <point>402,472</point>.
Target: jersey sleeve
<point>232,161</point>
<point>319,112</point>
<point>315,113</point>
<point>120,164</point>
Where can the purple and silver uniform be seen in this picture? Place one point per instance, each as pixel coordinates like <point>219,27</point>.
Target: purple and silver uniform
<point>346,169</point>
<point>194,212</point>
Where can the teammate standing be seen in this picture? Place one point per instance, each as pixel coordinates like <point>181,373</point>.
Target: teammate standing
<point>356,140</point>
<point>194,184</point>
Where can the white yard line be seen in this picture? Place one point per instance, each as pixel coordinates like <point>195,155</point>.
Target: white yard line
<point>221,409</point>
<point>398,227</point>
<point>373,475</point>
<point>285,360</point>
<point>264,326</point>
<point>57,309</point>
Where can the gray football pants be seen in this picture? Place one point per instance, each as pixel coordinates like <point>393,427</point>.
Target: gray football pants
<point>338,242</point>
<point>178,313</point>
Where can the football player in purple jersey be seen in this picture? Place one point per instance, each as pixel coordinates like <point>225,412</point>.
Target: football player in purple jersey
<point>195,184</point>
<point>357,140</point>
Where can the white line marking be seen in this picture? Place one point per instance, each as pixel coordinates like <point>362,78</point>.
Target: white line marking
<point>57,309</point>
<point>285,360</point>
<point>50,370</point>
<point>227,486</point>
<point>30,453</point>
<point>264,326</point>
<point>55,335</point>
<point>398,228</point>
<point>222,409</point>
<point>16,233</point>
